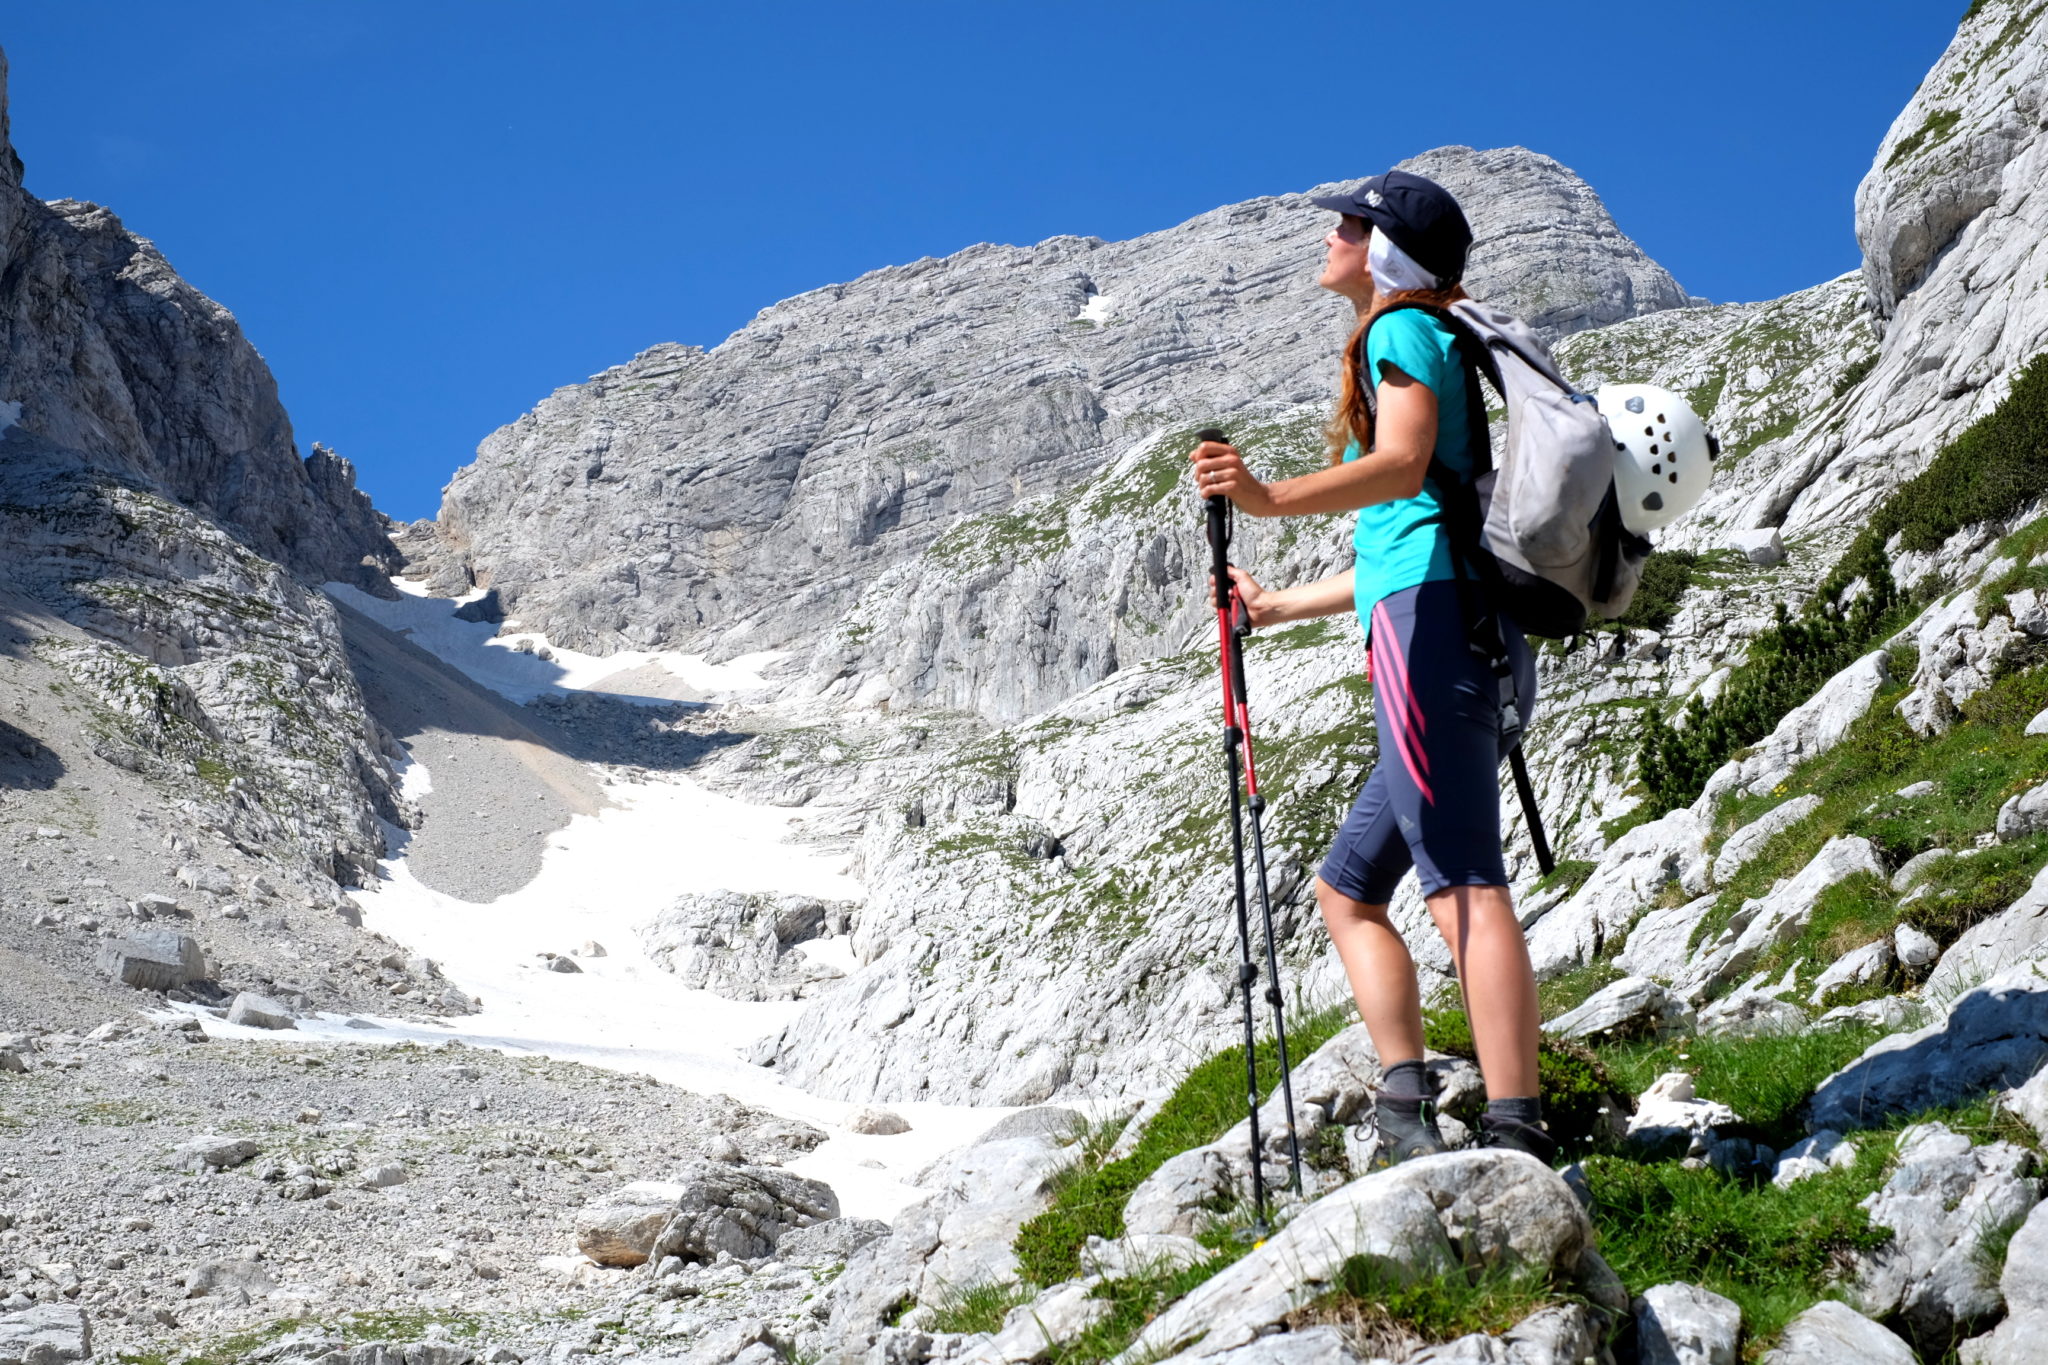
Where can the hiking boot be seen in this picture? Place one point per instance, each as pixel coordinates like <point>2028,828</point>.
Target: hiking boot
<point>1516,1136</point>
<point>1402,1138</point>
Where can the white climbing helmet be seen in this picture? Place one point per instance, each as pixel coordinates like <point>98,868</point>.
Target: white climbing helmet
<point>1663,453</point>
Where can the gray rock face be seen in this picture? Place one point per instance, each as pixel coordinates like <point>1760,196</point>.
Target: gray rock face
<point>1683,1324</point>
<point>1942,1203</point>
<point>1745,843</point>
<point>1994,1037</point>
<point>1829,1333</point>
<point>49,1333</point>
<point>742,498</point>
<point>1778,915</point>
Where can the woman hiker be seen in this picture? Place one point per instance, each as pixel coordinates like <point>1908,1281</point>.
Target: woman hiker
<point>1433,799</point>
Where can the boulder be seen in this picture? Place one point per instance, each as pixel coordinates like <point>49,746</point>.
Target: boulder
<point>2024,814</point>
<point>1061,1125</point>
<point>214,1151</point>
<point>557,962</point>
<point>2029,1102</point>
<point>1859,966</point>
<point>154,960</point>
<point>11,1061</point>
<point>620,1227</point>
<point>2017,934</point>
<point>1944,1202</point>
<point>1683,1324</point>
<point>1421,1219</point>
<point>743,1210</point>
<point>876,1122</point>
<point>1751,1014</point>
<point>962,1235</point>
<point>1915,949</point>
<point>1671,1118</point>
<point>1031,1331</point>
<point>1823,1151</point>
<point>1745,843</point>
<point>1994,1037</point>
<point>1305,1346</point>
<point>229,1278</point>
<point>1762,547</point>
<point>1660,946</point>
<point>745,945</point>
<point>1917,866</point>
<point>1629,1007</point>
<point>1831,1333</point>
<point>47,1334</point>
<point>829,1243</point>
<point>1808,730</point>
<point>260,1011</point>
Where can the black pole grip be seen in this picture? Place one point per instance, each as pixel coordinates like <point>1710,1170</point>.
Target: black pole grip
<point>1218,512</point>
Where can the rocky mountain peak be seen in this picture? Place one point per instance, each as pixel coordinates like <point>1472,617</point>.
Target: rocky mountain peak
<point>743,497</point>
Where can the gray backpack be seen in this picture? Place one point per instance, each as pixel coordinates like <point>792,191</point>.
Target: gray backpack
<point>1540,527</point>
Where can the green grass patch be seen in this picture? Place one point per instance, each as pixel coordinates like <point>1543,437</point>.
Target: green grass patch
<point>1932,133</point>
<point>1963,891</point>
<point>1773,1251</point>
<point>1858,371</point>
<point>1090,1198</point>
<point>1567,875</point>
<point>1133,1303</point>
<point>1765,1080</point>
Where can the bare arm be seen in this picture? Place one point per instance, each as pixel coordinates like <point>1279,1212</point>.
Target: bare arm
<point>1393,469</point>
<point>1276,606</point>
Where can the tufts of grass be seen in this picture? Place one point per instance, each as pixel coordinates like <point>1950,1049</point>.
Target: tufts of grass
<point>1963,891</point>
<point>977,1307</point>
<point>1563,994</point>
<point>1203,1107</point>
<point>1381,1314</point>
<point>1666,576</point>
<point>1567,876</point>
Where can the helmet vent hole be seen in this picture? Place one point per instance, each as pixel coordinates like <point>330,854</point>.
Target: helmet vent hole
<point>1674,476</point>
<point>1649,431</point>
<point>1656,469</point>
<point>1660,419</point>
<point>1653,449</point>
<point>1653,502</point>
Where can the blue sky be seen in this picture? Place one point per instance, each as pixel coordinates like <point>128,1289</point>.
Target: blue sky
<point>429,215</point>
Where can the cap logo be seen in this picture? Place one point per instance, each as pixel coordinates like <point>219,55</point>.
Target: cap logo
<point>1374,198</point>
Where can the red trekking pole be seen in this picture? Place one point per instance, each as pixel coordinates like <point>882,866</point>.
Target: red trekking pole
<point>1232,625</point>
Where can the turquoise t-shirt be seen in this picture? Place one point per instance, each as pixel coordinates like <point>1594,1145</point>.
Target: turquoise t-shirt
<point>1404,543</point>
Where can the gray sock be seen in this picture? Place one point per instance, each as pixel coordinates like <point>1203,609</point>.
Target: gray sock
<point>1406,1081</point>
<point>1529,1111</point>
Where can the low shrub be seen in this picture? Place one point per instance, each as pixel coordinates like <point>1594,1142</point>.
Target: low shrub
<point>1380,1315</point>
<point>1579,1097</point>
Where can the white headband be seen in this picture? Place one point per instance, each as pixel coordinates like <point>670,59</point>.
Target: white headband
<point>1394,270</point>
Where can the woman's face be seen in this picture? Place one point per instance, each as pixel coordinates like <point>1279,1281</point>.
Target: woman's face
<point>1346,271</point>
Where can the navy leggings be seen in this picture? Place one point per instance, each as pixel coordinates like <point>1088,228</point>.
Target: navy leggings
<point>1433,799</point>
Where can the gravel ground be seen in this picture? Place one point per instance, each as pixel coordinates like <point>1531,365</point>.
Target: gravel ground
<point>481,1161</point>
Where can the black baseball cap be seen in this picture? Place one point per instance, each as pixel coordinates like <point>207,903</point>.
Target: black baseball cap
<point>1418,215</point>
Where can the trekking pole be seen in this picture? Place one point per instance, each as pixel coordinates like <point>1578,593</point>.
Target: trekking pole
<point>1232,624</point>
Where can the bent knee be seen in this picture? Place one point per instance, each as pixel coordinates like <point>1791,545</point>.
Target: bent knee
<point>1340,909</point>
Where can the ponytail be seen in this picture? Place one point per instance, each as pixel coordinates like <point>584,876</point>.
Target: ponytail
<point>1352,420</point>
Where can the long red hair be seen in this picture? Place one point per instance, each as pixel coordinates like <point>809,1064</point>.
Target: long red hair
<point>1352,421</point>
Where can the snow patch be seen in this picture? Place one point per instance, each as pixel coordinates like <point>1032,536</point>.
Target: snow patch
<point>525,665</point>
<point>1099,309</point>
